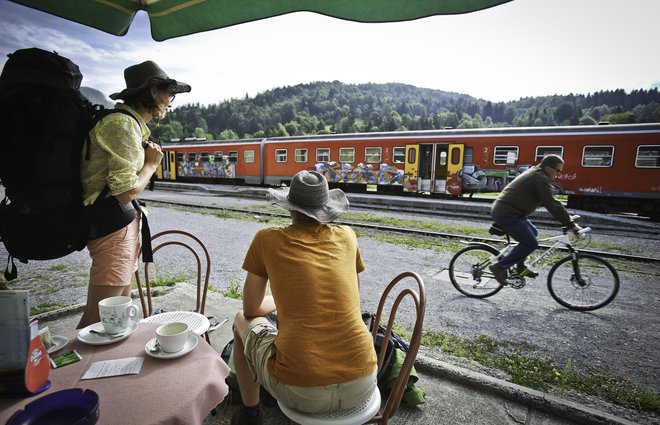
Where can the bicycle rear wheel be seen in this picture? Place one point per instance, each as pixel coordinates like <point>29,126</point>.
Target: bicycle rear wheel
<point>468,272</point>
<point>586,284</point>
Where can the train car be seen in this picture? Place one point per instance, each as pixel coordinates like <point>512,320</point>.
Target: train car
<point>608,168</point>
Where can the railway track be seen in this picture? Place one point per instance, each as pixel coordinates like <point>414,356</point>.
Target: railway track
<point>425,209</point>
<point>409,231</point>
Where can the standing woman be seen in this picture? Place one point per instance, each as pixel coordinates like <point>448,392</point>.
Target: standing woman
<point>122,158</point>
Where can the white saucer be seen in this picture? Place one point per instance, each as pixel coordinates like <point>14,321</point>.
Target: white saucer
<point>59,341</point>
<point>190,344</point>
<point>84,335</point>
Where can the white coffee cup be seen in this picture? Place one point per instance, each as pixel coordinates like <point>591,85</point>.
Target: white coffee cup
<point>116,313</point>
<point>172,336</point>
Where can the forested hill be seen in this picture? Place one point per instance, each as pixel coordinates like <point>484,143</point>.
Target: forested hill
<point>335,107</point>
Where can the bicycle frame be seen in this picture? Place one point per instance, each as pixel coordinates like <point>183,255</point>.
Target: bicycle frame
<point>559,241</point>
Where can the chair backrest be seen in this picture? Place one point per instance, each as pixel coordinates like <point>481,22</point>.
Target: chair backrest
<point>192,244</point>
<point>418,295</point>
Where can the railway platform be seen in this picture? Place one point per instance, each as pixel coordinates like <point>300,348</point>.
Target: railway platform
<point>454,395</point>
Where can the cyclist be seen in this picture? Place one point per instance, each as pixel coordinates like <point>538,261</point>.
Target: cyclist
<point>519,199</point>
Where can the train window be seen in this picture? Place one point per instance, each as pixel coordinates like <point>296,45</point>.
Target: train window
<point>648,156</point>
<point>372,155</point>
<point>399,155</point>
<point>455,156</point>
<point>542,151</point>
<point>300,155</point>
<point>468,155</point>
<point>280,155</point>
<point>248,156</point>
<point>233,155</point>
<point>179,157</point>
<point>204,157</point>
<point>322,154</point>
<point>505,155</point>
<point>346,155</point>
<point>192,157</point>
<point>217,154</point>
<point>412,155</point>
<point>597,156</point>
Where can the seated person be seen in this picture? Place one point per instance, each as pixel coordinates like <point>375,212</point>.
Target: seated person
<point>322,356</point>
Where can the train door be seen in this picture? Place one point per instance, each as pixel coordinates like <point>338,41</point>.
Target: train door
<point>440,169</point>
<point>454,165</point>
<point>425,168</point>
<point>167,169</point>
<point>410,169</point>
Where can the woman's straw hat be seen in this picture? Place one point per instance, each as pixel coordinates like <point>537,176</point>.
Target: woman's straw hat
<point>309,195</point>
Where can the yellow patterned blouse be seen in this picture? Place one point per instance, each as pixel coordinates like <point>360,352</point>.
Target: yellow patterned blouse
<point>116,154</point>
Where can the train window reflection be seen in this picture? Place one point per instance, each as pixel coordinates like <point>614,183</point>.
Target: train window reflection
<point>542,151</point>
<point>399,155</point>
<point>204,157</point>
<point>346,155</point>
<point>648,156</point>
<point>192,157</point>
<point>300,155</point>
<point>179,157</point>
<point>248,156</point>
<point>505,155</point>
<point>455,156</point>
<point>322,154</point>
<point>412,155</point>
<point>598,156</point>
<point>280,155</point>
<point>372,155</point>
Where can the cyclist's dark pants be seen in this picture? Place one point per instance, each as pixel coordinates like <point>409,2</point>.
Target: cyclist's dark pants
<point>523,231</point>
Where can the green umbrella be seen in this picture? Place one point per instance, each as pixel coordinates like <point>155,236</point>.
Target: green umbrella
<point>174,18</point>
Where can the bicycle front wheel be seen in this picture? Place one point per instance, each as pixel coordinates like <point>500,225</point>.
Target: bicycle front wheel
<point>588,283</point>
<point>468,272</point>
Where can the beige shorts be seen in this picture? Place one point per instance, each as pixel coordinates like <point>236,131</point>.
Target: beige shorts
<point>259,342</point>
<point>115,256</point>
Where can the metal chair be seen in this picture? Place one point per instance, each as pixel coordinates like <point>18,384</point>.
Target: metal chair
<point>202,288</point>
<point>372,411</point>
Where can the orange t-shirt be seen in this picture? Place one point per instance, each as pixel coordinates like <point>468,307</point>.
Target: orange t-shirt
<point>313,273</point>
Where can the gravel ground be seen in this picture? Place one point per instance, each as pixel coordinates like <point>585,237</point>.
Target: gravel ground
<point>622,337</point>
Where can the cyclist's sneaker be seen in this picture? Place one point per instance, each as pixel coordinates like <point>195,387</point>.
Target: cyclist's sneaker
<point>500,274</point>
<point>526,272</point>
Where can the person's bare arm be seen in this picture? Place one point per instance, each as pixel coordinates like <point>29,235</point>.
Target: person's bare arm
<point>255,301</point>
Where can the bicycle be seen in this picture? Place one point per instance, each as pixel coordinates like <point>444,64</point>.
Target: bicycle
<point>579,281</point>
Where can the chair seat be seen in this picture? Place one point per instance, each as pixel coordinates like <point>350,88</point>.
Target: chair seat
<point>353,416</point>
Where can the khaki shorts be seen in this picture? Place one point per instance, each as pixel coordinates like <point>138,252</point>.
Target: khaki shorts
<point>115,256</point>
<point>259,342</point>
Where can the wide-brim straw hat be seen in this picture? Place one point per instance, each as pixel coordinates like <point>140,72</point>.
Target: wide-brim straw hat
<point>309,195</point>
<point>148,74</point>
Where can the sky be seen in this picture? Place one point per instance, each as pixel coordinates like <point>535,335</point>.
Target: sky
<point>523,48</point>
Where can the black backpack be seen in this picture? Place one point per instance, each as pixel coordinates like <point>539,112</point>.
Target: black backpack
<point>44,122</point>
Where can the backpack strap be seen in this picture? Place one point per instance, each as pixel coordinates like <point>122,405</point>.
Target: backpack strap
<point>10,274</point>
<point>98,116</point>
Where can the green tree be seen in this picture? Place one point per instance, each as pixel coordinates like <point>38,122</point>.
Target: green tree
<point>227,134</point>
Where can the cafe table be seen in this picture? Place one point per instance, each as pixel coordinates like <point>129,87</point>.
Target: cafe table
<point>180,390</point>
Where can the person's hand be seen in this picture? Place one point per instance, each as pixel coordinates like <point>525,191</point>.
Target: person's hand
<point>152,154</point>
<point>576,229</point>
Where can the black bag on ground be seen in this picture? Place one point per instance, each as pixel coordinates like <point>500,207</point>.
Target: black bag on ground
<point>44,122</point>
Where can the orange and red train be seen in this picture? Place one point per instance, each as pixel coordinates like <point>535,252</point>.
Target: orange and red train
<point>608,168</point>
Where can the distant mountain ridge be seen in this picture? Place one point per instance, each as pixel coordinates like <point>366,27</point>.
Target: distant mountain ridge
<point>335,107</point>
<point>96,97</point>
